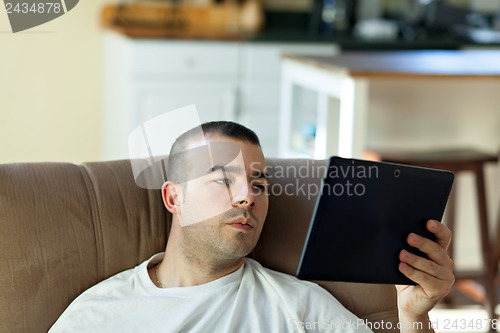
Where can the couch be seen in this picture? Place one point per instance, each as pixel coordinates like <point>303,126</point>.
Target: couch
<point>65,227</point>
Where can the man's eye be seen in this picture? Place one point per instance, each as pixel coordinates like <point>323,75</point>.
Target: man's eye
<point>259,187</point>
<point>225,181</point>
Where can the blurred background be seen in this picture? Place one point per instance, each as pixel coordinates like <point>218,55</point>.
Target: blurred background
<point>72,89</point>
<point>60,81</point>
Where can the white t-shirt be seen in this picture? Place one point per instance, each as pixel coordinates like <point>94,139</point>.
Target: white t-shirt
<point>251,299</point>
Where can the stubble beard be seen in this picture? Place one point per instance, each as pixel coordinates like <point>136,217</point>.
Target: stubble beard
<point>214,243</point>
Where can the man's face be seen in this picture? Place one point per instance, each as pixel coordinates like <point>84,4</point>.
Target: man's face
<point>223,211</point>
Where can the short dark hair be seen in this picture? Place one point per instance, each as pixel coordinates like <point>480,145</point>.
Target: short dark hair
<point>176,165</point>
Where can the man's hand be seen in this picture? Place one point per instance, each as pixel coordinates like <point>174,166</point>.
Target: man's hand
<point>434,276</point>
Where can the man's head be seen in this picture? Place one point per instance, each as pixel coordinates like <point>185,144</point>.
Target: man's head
<point>217,190</point>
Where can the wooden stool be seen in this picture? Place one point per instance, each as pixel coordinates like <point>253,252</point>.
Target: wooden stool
<point>457,161</point>
<point>496,245</point>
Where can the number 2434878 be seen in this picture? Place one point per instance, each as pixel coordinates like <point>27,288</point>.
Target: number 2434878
<point>35,8</point>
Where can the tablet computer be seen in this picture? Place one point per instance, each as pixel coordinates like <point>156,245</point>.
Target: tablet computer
<point>363,216</point>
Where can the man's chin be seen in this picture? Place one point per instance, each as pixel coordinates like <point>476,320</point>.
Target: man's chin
<point>239,252</point>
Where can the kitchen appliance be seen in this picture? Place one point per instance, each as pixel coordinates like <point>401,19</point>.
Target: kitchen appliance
<point>332,17</point>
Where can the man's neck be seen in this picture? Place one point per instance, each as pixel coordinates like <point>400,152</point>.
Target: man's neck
<point>179,269</point>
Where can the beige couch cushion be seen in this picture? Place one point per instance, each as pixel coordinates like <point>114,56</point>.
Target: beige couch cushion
<point>66,227</point>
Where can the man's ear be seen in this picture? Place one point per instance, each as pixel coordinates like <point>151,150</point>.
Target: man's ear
<point>172,196</point>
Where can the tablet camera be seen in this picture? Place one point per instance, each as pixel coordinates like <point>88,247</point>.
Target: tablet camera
<point>397,173</point>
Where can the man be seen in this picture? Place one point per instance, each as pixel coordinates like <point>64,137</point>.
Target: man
<point>204,283</point>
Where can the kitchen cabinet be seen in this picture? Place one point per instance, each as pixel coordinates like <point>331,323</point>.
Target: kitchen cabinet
<point>237,81</point>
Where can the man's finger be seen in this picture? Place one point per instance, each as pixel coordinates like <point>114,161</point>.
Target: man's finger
<point>431,286</point>
<point>442,232</point>
<point>434,251</point>
<point>427,266</point>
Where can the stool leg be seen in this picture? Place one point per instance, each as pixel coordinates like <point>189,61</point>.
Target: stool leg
<point>496,245</point>
<point>489,276</point>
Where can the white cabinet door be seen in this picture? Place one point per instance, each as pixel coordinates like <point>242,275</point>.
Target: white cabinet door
<point>214,101</point>
<point>146,78</point>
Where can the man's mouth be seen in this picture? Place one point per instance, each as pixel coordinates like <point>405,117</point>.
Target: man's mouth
<point>244,224</point>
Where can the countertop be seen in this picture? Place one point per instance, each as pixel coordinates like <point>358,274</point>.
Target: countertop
<point>432,63</point>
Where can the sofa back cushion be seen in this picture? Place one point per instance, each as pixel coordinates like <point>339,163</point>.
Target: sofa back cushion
<point>66,227</point>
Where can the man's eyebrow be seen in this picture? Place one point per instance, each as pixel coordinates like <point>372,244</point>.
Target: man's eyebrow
<point>226,168</point>
<point>236,169</point>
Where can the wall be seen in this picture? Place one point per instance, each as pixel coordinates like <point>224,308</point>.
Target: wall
<point>50,88</point>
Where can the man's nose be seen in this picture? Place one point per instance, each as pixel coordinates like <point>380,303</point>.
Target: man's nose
<point>243,197</point>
